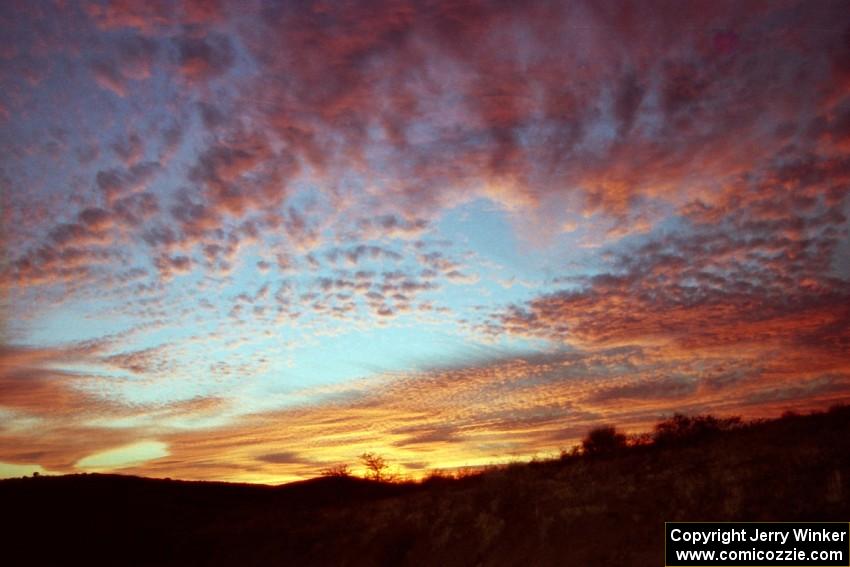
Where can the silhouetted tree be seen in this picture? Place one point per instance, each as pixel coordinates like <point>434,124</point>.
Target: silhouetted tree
<point>375,465</point>
<point>603,440</point>
<point>342,470</point>
<point>681,428</point>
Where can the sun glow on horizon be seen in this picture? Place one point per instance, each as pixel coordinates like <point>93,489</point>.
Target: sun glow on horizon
<point>121,457</point>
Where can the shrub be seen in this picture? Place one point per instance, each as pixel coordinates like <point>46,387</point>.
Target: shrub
<point>603,440</point>
<point>680,428</point>
<point>639,439</point>
<point>340,470</point>
<point>438,477</point>
<point>573,453</point>
<point>375,465</point>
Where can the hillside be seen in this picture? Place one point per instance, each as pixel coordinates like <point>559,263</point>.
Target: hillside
<point>582,510</point>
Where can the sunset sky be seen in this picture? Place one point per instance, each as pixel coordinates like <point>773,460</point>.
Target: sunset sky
<point>248,240</point>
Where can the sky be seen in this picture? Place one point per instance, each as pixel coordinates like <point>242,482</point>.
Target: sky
<point>246,241</point>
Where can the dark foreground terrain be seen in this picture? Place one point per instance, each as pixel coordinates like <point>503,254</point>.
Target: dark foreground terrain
<point>605,508</point>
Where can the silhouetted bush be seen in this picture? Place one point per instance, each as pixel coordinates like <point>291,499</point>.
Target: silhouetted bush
<point>340,470</point>
<point>838,409</point>
<point>570,454</point>
<point>681,428</point>
<point>639,440</point>
<point>438,477</point>
<point>376,466</point>
<point>603,440</point>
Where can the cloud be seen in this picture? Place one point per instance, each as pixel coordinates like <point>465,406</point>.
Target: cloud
<point>43,392</point>
<point>147,362</point>
<point>203,58</point>
<point>129,150</point>
<point>170,266</point>
<point>107,76</point>
<point>131,58</point>
<point>31,383</point>
<point>477,413</point>
<point>62,419</point>
<point>467,414</point>
<point>287,457</point>
<point>648,390</point>
<point>284,172</point>
<point>133,210</point>
<point>125,456</point>
<point>389,226</point>
<point>426,106</point>
<point>117,183</point>
<point>151,17</point>
<point>121,14</point>
<point>238,174</point>
<point>354,255</point>
<point>514,123</point>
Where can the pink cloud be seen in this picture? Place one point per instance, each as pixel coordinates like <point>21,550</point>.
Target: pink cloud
<point>203,58</point>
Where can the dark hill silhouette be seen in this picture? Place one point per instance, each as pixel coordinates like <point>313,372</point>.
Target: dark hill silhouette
<point>604,508</point>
